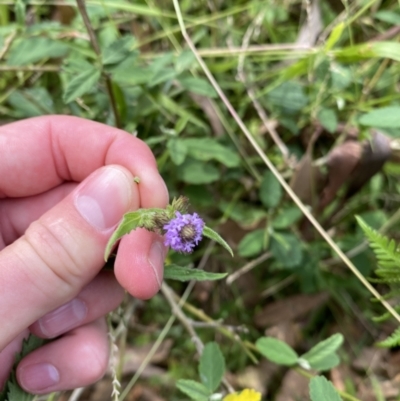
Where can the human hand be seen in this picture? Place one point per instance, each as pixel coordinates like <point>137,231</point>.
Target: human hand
<point>58,207</point>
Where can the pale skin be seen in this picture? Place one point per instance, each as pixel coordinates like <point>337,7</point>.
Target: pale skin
<point>65,183</point>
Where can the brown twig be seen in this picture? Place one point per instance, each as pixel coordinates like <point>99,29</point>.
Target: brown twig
<point>387,35</point>
<point>96,48</point>
<point>247,267</point>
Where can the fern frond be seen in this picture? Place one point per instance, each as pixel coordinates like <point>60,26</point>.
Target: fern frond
<point>391,294</point>
<point>385,249</point>
<point>382,318</point>
<point>392,341</point>
<point>386,280</point>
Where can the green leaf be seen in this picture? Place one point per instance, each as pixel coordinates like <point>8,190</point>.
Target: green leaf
<point>385,117</point>
<point>277,351</point>
<point>195,172</point>
<point>321,389</point>
<point>31,50</point>
<point>287,217</point>
<point>287,249</point>
<point>118,50</point>
<point>179,273</point>
<point>206,149</point>
<point>392,341</point>
<point>289,96</point>
<point>30,344</point>
<point>178,109</point>
<point>198,85</point>
<point>209,233</point>
<point>159,77</point>
<point>386,250</point>
<point>185,60</point>
<point>81,84</point>
<point>252,244</point>
<point>177,150</point>
<point>324,364</point>
<point>386,49</point>
<point>243,213</point>
<point>196,391</point>
<point>378,49</point>
<point>31,102</point>
<point>16,393</point>
<point>328,119</point>
<point>12,389</point>
<point>20,12</point>
<point>160,63</point>
<point>323,349</point>
<point>390,17</point>
<point>335,35</point>
<point>131,221</point>
<point>211,366</point>
<point>270,190</point>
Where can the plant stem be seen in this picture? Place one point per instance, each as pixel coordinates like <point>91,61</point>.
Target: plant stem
<point>95,44</point>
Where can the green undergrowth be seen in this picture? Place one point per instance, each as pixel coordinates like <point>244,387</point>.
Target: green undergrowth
<point>145,80</point>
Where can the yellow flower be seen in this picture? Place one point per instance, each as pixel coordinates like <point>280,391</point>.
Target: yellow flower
<point>245,395</point>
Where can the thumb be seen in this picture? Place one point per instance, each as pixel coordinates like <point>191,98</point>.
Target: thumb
<point>63,250</point>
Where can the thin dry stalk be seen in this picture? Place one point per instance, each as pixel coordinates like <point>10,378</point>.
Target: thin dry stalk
<point>7,44</point>
<point>33,68</point>
<point>241,76</point>
<point>76,394</point>
<point>247,267</point>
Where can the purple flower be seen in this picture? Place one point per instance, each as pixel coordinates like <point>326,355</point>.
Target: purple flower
<point>184,232</point>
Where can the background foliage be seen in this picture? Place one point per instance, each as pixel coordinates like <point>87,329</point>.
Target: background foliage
<point>316,83</point>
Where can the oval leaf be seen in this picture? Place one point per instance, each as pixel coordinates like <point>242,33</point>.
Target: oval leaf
<point>385,117</point>
<point>199,86</point>
<point>286,249</point>
<point>327,363</point>
<point>211,366</point>
<point>118,50</point>
<point>322,389</point>
<point>252,244</point>
<point>270,190</point>
<point>277,351</point>
<point>328,119</point>
<point>206,149</point>
<point>177,150</point>
<point>32,50</point>
<point>81,84</point>
<point>195,172</point>
<point>196,391</point>
<point>179,273</point>
<point>323,350</point>
<point>209,233</point>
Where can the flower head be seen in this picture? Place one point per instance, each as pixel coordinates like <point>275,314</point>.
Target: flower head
<point>184,232</point>
<point>245,395</point>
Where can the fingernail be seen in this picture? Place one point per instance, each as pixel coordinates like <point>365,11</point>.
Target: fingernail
<point>104,198</point>
<point>63,318</point>
<point>38,377</point>
<point>156,260</point>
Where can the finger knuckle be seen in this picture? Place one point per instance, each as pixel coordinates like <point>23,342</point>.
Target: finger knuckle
<point>53,245</point>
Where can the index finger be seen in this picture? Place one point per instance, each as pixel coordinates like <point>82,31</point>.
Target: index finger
<point>40,153</point>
